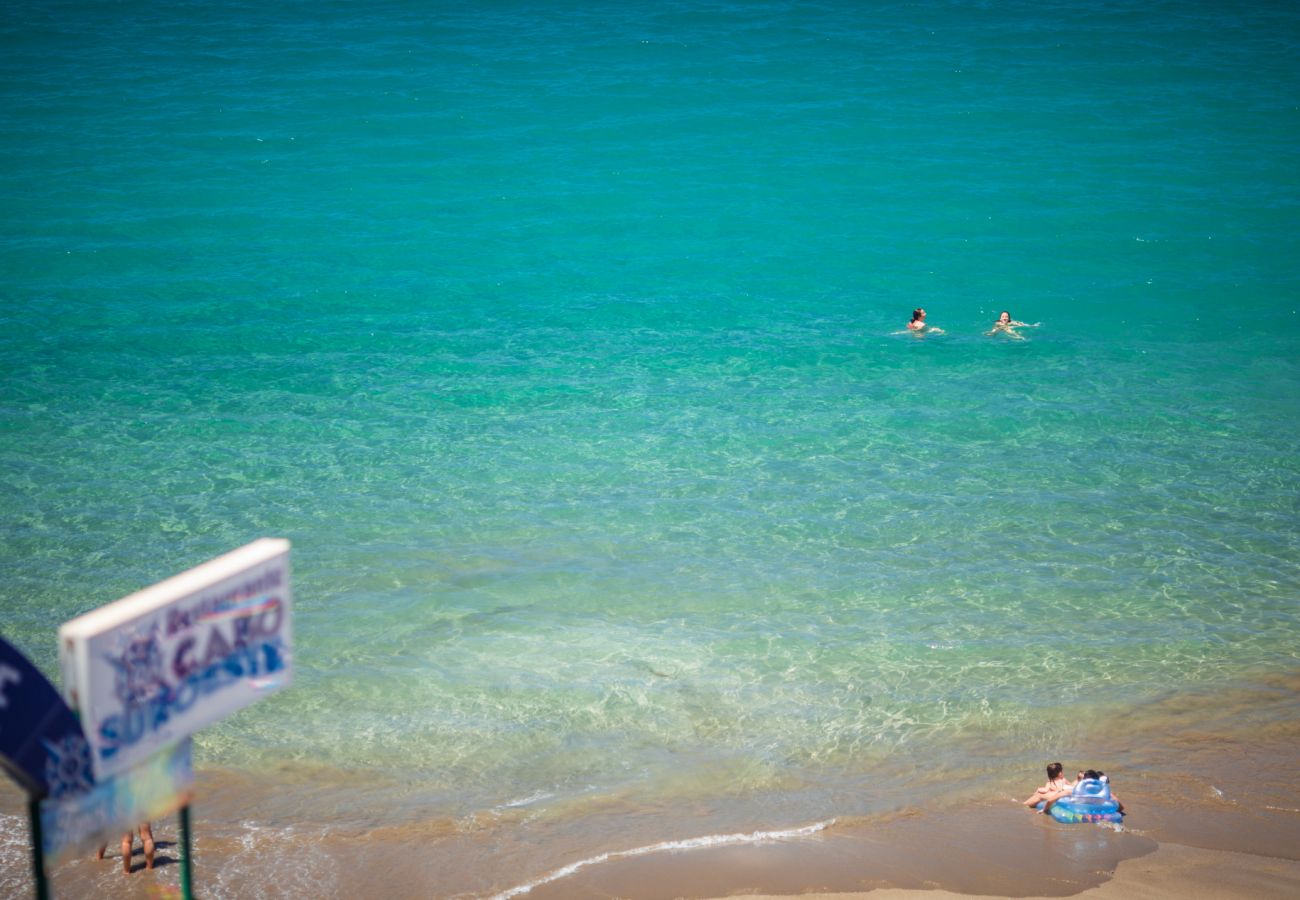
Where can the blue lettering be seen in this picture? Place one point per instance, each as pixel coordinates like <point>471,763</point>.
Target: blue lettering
<point>127,728</point>
<point>158,710</point>
<point>274,660</point>
<point>109,734</point>
<point>134,719</point>
<point>185,695</point>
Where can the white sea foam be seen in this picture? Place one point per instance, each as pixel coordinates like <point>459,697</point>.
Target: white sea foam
<point>699,843</point>
<point>526,801</point>
<point>303,868</point>
<point>15,857</point>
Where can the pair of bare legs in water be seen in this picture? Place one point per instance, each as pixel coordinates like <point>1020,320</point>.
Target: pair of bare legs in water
<point>128,839</point>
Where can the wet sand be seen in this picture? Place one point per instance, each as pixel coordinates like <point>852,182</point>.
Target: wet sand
<point>1172,872</point>
<point>1212,814</point>
<point>978,850</point>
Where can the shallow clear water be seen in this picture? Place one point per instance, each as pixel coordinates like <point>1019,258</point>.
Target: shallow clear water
<point>564,344</point>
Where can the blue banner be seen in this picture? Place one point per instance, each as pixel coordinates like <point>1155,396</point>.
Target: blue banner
<point>41,743</point>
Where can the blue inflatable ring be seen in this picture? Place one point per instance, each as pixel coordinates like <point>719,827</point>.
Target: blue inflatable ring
<point>1090,802</point>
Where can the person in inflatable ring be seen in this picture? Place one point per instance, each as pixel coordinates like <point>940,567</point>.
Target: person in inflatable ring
<point>1083,776</point>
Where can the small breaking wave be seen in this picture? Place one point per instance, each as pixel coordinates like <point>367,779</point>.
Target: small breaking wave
<point>699,843</point>
<point>528,800</point>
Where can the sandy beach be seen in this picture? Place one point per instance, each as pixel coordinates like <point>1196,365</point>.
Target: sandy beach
<point>977,852</point>
<point>1208,780</point>
<point>1210,816</point>
<point>1172,871</point>
<point>1227,825</point>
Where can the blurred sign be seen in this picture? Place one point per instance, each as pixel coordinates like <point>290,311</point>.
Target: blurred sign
<point>153,668</point>
<point>155,788</point>
<point>41,744</point>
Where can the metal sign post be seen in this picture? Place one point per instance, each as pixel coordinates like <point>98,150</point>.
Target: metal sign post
<point>38,853</point>
<point>185,855</point>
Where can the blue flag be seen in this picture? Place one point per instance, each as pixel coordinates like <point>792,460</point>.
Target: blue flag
<point>41,743</point>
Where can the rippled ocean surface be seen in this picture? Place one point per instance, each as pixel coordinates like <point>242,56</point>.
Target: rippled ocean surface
<point>563,340</point>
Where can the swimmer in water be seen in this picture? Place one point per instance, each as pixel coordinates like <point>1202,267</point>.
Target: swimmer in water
<point>918,327</point>
<point>1007,325</point>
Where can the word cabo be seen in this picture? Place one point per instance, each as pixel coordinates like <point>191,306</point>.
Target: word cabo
<point>254,648</point>
<point>156,666</point>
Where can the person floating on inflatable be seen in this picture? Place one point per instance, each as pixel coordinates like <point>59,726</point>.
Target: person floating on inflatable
<point>1091,800</point>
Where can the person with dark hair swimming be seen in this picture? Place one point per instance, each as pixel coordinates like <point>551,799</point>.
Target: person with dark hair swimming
<point>918,327</point>
<point>1007,325</point>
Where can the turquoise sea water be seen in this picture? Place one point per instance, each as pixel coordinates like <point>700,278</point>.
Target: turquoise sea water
<point>563,341</point>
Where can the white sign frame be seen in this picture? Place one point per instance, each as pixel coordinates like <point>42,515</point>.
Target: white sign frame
<point>152,668</point>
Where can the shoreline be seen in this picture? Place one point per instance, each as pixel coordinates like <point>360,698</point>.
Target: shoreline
<point>1171,872</point>
<point>978,851</point>
<point>1212,811</point>
<point>1209,812</point>
<point>1090,869</point>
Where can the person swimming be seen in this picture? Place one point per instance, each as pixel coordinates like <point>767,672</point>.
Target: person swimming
<point>1007,325</point>
<point>918,326</point>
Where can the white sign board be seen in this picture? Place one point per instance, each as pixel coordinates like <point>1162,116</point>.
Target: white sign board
<point>152,668</point>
